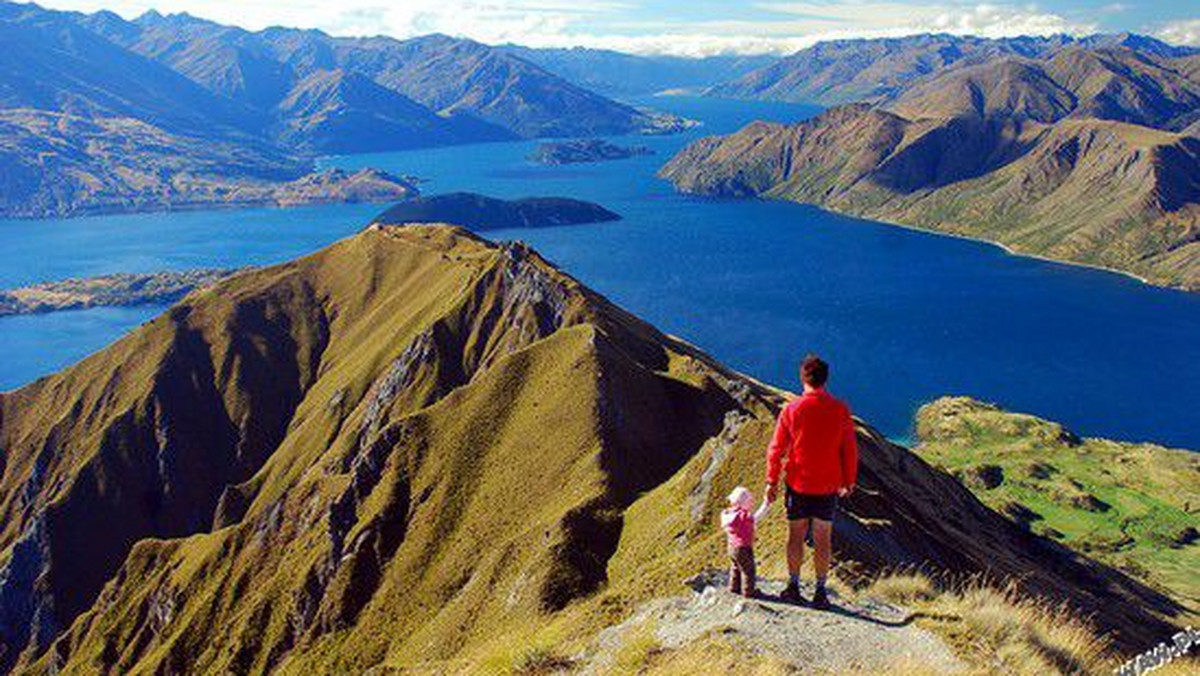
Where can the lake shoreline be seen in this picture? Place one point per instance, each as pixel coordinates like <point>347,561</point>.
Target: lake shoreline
<point>981,240</point>
<point>1011,251</point>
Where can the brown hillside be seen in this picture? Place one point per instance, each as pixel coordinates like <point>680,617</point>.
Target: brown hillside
<point>1089,191</point>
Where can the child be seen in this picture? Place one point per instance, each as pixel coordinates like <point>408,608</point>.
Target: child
<point>739,523</point>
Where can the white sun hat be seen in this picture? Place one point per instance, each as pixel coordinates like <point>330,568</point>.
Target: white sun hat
<point>741,497</point>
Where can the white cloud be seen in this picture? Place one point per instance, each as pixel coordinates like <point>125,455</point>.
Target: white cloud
<point>1186,32</point>
<point>481,19</point>
<point>985,19</point>
<point>606,23</point>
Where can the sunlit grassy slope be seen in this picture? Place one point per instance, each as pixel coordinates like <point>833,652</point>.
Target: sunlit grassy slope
<point>1133,506</point>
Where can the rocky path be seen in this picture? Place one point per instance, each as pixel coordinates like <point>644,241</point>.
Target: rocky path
<point>864,636</point>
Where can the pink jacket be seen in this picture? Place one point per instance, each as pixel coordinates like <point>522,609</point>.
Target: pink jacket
<point>740,524</point>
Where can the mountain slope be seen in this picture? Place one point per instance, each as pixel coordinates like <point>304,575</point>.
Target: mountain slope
<point>89,126</point>
<point>1013,151</point>
<point>206,100</point>
<point>409,448</point>
<point>51,63</point>
<point>1108,84</point>
<point>339,112</point>
<point>53,164</point>
<point>454,76</point>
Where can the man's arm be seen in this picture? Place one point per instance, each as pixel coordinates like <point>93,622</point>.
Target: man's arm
<point>781,442</point>
<point>849,455</point>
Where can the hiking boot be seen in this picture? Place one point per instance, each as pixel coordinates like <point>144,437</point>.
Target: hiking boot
<point>821,599</point>
<point>791,594</point>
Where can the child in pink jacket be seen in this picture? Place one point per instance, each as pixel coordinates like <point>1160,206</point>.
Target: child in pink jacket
<point>739,524</point>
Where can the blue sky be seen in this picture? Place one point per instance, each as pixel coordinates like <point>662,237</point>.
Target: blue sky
<point>688,27</point>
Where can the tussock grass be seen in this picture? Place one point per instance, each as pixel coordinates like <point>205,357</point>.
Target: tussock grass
<point>713,655</point>
<point>904,588</point>
<point>524,658</point>
<point>638,651</point>
<point>539,660</point>
<point>901,668</point>
<point>998,630</point>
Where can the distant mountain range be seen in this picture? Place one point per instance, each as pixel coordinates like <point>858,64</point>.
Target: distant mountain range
<point>414,447</point>
<point>845,71</point>
<point>1079,150</point>
<point>501,94</point>
<point>620,74</point>
<point>254,105</point>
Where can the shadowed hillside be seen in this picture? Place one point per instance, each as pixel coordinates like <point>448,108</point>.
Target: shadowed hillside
<point>52,164</point>
<point>404,449</point>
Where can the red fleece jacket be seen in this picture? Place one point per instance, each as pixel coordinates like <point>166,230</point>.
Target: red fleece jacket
<point>816,437</point>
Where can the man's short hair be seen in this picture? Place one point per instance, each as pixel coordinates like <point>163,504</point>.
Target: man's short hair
<point>814,371</point>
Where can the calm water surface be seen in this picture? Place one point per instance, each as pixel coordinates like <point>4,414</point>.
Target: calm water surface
<point>904,316</point>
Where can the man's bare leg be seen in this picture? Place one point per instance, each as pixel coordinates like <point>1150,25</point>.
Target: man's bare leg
<point>822,546</point>
<point>822,555</point>
<point>797,531</point>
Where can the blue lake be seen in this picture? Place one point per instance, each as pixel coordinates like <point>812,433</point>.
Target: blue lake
<point>903,316</point>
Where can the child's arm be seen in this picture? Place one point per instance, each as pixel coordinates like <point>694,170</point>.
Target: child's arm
<point>762,510</point>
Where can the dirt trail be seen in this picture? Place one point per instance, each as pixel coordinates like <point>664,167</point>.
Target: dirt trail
<point>863,635</point>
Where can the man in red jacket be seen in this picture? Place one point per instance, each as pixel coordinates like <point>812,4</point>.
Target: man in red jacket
<point>815,436</point>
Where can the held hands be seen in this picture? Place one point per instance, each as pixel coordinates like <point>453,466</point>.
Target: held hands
<point>771,493</point>
<point>845,491</point>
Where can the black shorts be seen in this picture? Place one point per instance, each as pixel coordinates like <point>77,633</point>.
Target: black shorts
<point>805,506</point>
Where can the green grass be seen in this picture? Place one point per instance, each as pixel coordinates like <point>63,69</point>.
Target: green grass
<point>1122,503</point>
